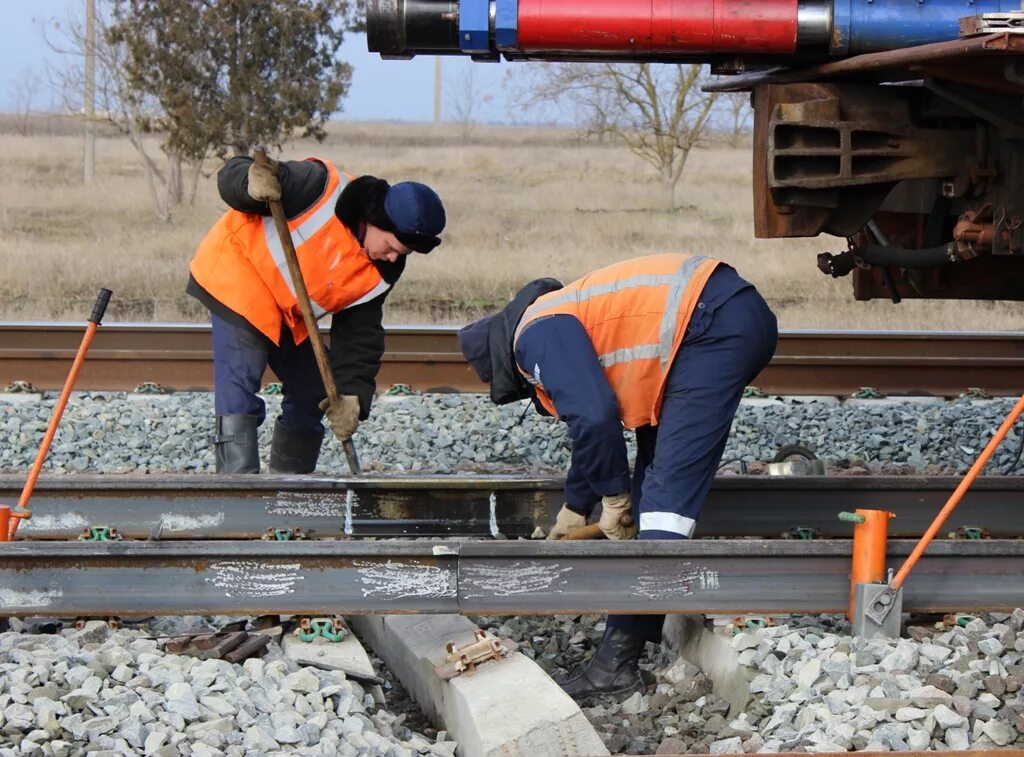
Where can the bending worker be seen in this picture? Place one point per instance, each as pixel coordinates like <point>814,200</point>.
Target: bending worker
<point>663,344</point>
<point>352,237</point>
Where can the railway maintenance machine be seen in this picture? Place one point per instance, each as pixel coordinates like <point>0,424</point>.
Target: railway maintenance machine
<point>897,124</point>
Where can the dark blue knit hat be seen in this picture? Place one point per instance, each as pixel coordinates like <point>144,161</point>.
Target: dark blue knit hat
<point>417,213</point>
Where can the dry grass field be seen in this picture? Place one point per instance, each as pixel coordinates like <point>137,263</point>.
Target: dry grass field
<point>521,204</point>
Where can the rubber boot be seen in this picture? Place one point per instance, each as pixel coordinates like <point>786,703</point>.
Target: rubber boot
<point>294,452</point>
<point>612,670</point>
<point>236,444</point>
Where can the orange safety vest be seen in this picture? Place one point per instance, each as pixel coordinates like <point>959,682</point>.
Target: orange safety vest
<point>241,263</point>
<point>635,313</point>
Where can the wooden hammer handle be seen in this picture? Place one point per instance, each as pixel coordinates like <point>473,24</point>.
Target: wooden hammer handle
<point>593,530</point>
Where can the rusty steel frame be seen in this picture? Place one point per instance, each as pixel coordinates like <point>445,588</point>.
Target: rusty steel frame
<point>183,507</point>
<point>486,577</point>
<point>179,357</point>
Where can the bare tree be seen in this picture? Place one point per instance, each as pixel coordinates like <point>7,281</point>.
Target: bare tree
<point>465,96</point>
<point>658,111</point>
<point>117,103</point>
<point>740,112</point>
<point>23,92</point>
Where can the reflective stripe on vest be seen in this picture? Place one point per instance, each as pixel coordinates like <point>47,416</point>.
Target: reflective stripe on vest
<point>677,284</point>
<point>300,234</point>
<point>636,314</point>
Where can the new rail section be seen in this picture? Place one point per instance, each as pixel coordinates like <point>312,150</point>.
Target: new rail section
<point>247,545</point>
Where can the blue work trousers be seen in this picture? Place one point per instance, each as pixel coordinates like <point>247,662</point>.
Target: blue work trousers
<point>240,358</point>
<point>677,459</point>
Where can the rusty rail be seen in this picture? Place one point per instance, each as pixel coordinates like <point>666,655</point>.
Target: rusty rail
<point>178,356</point>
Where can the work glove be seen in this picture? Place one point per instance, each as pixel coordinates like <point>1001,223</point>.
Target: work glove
<point>263,183</point>
<point>566,521</point>
<point>613,509</point>
<point>343,415</point>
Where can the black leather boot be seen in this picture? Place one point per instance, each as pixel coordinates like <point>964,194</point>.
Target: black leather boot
<point>236,444</point>
<point>612,670</point>
<point>294,452</point>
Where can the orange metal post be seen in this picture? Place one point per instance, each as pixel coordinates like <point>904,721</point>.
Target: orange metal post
<point>5,523</point>
<point>870,533</point>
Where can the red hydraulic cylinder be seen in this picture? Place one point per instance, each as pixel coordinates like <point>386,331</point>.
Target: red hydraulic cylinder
<point>693,26</point>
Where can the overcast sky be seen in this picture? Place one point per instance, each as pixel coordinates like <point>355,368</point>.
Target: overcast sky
<point>381,90</point>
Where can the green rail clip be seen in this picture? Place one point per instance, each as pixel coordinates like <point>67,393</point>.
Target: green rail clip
<point>972,532</point>
<point>976,393</point>
<point>867,393</point>
<point>274,387</point>
<point>150,387</point>
<point>326,628</point>
<point>752,392</point>
<point>398,390</point>
<point>279,534</point>
<point>100,533</point>
<point>21,387</point>
<point>805,533</point>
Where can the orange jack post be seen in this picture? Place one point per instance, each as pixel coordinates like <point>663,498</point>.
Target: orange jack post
<point>21,511</point>
<point>870,535</point>
<point>961,490</point>
<point>5,523</point>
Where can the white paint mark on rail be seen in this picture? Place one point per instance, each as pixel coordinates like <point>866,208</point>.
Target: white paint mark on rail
<point>179,522</point>
<point>298,504</point>
<point>64,521</point>
<point>251,579</point>
<point>493,501</point>
<point>515,578</point>
<point>12,598</point>
<point>351,499</point>
<point>395,580</point>
<point>661,586</point>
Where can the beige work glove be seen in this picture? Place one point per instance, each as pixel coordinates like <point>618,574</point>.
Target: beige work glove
<point>343,415</point>
<point>613,508</point>
<point>566,521</point>
<point>263,183</point>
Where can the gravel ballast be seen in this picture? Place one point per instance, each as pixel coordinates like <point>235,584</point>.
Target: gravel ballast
<point>103,692</point>
<point>814,688</point>
<point>445,433</point>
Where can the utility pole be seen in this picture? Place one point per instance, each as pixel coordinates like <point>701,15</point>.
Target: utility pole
<point>437,89</point>
<point>90,86</point>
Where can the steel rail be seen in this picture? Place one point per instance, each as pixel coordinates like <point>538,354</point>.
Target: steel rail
<point>237,507</point>
<point>486,577</point>
<point>178,356</point>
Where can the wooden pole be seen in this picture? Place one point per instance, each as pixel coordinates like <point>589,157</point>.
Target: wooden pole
<point>302,295</point>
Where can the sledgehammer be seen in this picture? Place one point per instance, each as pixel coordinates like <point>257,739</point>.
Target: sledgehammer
<point>302,295</point>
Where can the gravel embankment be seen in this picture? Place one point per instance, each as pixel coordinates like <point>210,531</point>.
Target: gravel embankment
<point>115,433</point>
<point>814,688</point>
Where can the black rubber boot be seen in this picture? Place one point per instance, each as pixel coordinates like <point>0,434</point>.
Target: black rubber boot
<point>236,444</point>
<point>612,670</point>
<point>294,452</point>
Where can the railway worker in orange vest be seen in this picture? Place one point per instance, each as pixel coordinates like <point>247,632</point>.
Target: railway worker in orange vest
<point>663,344</point>
<point>352,236</point>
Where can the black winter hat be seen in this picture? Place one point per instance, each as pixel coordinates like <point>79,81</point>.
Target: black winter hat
<point>411,211</point>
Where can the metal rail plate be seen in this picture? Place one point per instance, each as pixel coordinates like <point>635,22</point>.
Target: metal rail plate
<point>237,507</point>
<point>180,357</point>
<point>492,577</point>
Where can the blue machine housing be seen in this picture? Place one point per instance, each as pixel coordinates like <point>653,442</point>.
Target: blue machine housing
<point>868,26</point>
